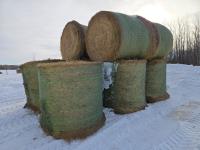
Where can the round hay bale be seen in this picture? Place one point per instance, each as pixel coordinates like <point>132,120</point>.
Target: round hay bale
<point>156,81</point>
<point>30,79</point>
<point>129,86</point>
<point>72,43</point>
<point>112,36</point>
<point>71,98</point>
<point>165,41</point>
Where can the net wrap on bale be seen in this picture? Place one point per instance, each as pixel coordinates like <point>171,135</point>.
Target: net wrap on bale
<point>165,41</point>
<point>129,86</point>
<point>156,80</point>
<point>30,79</point>
<point>72,43</point>
<point>113,35</point>
<point>71,98</point>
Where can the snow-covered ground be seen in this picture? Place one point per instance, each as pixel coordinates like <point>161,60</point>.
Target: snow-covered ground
<point>172,124</point>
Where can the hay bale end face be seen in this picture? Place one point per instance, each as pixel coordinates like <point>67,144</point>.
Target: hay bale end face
<point>113,35</point>
<point>129,86</point>
<point>71,98</point>
<point>72,43</point>
<point>30,79</point>
<point>156,81</point>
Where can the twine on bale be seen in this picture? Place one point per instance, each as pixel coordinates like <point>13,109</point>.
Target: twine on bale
<point>71,98</point>
<point>129,86</point>
<point>72,43</point>
<point>30,79</point>
<point>156,81</point>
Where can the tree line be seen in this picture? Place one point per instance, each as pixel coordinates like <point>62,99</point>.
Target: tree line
<point>186,47</point>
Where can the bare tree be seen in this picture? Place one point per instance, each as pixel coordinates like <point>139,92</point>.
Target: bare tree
<point>186,49</point>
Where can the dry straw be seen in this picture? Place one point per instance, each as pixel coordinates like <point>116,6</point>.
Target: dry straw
<point>112,36</point>
<point>71,98</point>
<point>30,78</point>
<point>156,80</point>
<point>129,86</point>
<point>72,43</point>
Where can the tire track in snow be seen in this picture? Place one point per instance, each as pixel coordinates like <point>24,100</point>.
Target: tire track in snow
<point>187,136</point>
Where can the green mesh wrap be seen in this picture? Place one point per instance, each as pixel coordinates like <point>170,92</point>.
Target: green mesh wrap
<point>134,37</point>
<point>71,98</point>
<point>129,86</point>
<point>156,80</point>
<point>30,78</point>
<point>165,41</point>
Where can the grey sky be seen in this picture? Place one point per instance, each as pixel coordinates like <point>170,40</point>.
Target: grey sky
<point>31,29</point>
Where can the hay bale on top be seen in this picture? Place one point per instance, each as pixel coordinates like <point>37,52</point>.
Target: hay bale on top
<point>156,80</point>
<point>71,98</point>
<point>72,43</point>
<point>30,79</point>
<point>129,86</point>
<point>165,41</point>
<point>114,35</point>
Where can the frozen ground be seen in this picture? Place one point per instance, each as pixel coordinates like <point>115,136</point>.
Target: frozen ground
<point>169,125</point>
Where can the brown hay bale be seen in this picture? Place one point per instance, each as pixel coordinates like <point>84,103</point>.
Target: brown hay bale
<point>71,98</point>
<point>72,43</point>
<point>112,36</point>
<point>129,86</point>
<point>156,81</point>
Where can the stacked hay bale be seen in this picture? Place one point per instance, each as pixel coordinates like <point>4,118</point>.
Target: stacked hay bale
<point>69,92</point>
<point>30,78</point>
<point>114,36</point>
<point>156,68</point>
<point>71,99</point>
<point>72,42</point>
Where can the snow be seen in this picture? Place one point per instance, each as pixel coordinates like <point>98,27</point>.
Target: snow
<point>167,125</point>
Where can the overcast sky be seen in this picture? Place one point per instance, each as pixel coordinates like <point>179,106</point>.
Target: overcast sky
<point>31,29</point>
